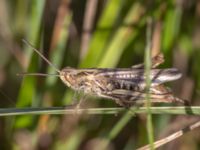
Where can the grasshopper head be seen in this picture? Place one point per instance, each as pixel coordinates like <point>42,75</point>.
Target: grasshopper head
<point>68,76</point>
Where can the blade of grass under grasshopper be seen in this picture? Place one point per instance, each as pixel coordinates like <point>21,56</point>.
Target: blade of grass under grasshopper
<point>195,110</point>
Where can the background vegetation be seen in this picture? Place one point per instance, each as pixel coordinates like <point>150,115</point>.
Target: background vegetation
<point>92,33</point>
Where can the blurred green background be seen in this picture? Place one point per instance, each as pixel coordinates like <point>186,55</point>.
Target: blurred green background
<point>92,33</point>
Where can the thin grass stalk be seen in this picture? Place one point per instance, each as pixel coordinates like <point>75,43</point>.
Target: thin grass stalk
<point>148,83</point>
<point>181,110</point>
<point>173,136</point>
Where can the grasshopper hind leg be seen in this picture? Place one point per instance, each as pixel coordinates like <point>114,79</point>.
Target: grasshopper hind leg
<point>162,93</point>
<point>133,100</point>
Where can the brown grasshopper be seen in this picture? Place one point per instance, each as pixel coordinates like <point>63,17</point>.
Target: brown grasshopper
<point>124,85</point>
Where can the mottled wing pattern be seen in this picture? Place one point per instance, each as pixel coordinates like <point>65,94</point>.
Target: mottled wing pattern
<point>136,77</point>
<point>127,86</point>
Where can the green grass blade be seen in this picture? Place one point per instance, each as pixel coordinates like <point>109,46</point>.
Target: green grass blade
<point>27,90</point>
<point>193,110</point>
<point>171,27</point>
<point>148,83</point>
<point>121,38</point>
<point>102,33</point>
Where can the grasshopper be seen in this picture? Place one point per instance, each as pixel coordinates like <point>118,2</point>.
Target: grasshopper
<point>126,86</point>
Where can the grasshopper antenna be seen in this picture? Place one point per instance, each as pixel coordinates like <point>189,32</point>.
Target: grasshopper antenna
<point>52,65</point>
<point>36,74</point>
